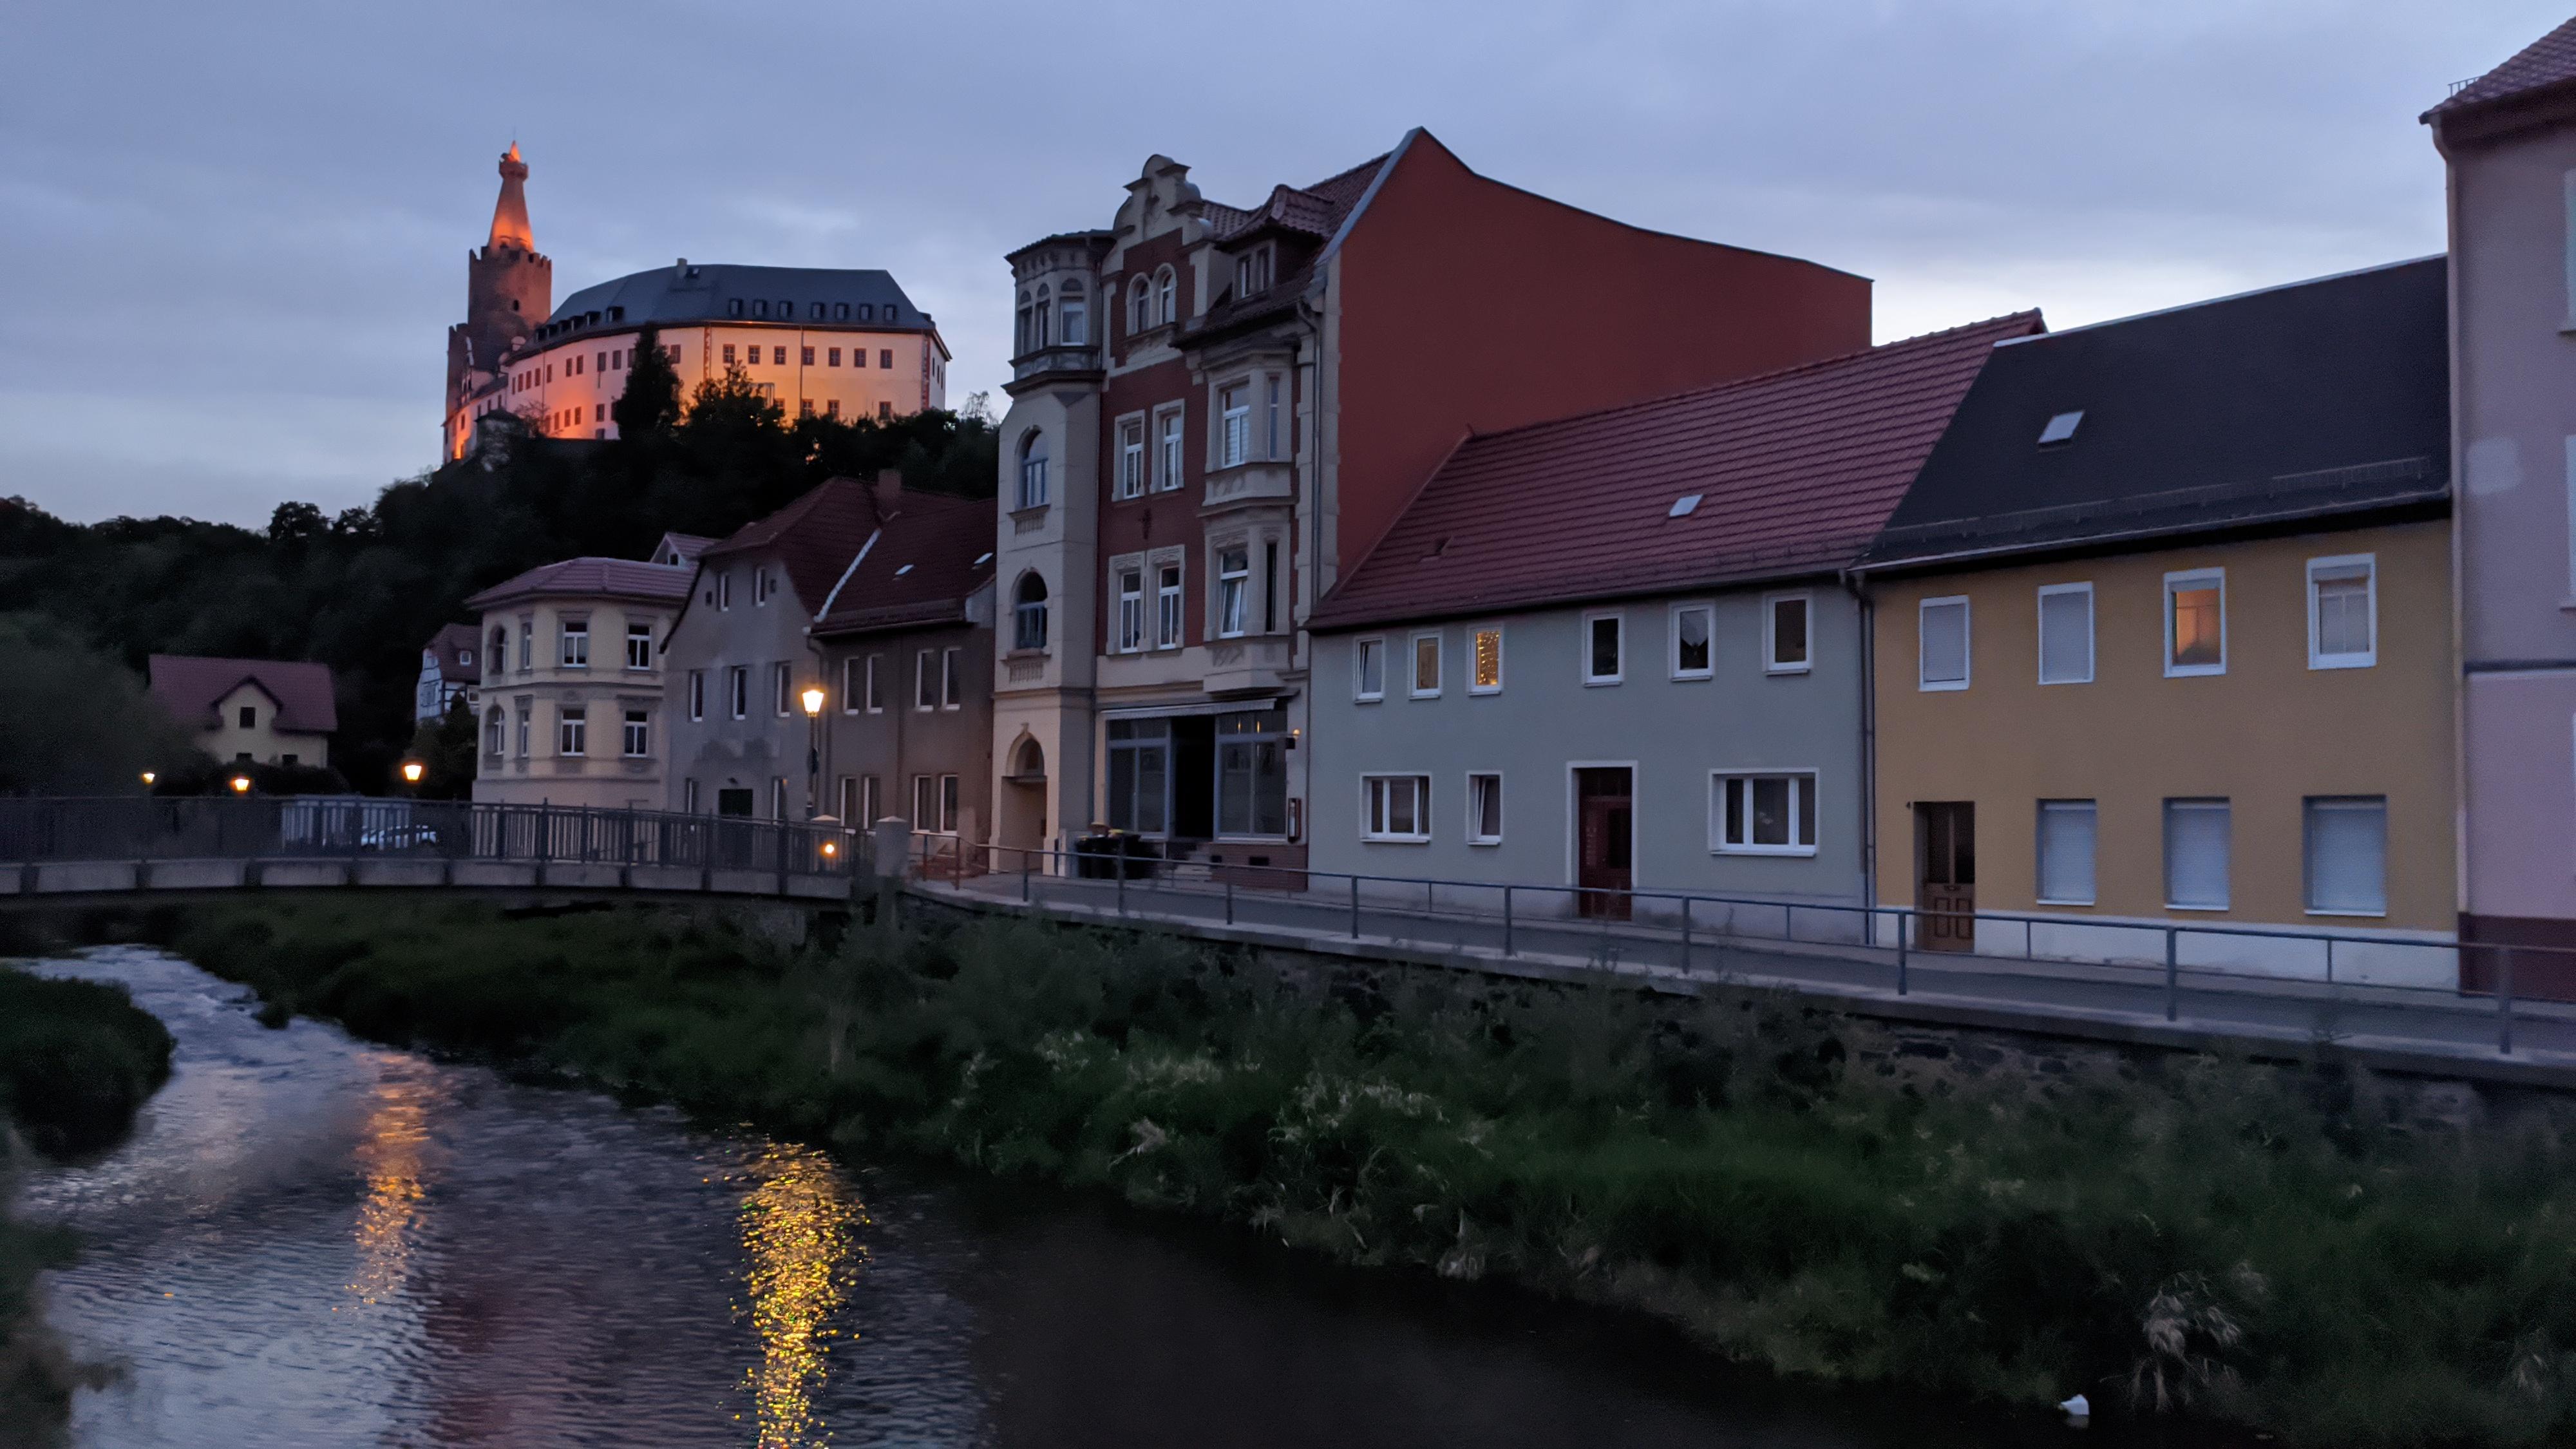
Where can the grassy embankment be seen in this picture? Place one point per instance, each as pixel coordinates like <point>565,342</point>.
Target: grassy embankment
<point>77,1059</point>
<point>2238,1242</point>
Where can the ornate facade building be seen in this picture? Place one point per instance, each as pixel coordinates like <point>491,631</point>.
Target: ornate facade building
<point>1218,410</point>
<point>838,342</point>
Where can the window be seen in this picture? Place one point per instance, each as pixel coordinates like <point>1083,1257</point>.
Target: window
<point>1773,814</point>
<point>1485,660</point>
<point>781,689</point>
<point>805,407</point>
<point>2066,634</point>
<point>1252,772</point>
<point>1603,636</point>
<point>1234,433</point>
<point>850,684</point>
<point>1167,607</point>
<point>1131,610</point>
<point>492,731</point>
<point>639,735</point>
<point>639,646</point>
<point>952,682</point>
<point>2196,622</point>
<point>858,357</point>
<point>689,796</point>
<point>832,407</point>
<point>935,803</point>
<point>807,357</point>
<point>1033,470</point>
<point>1692,655</point>
<point>885,358</point>
<point>728,354</point>
<point>2196,855</point>
<point>2347,851</point>
<point>2066,852</point>
<point>1139,755</point>
<point>885,412</point>
<point>526,717</point>
<point>778,358</point>
<point>1233,575</point>
<point>2343,612</point>
<point>777,797</point>
<point>859,799</point>
<point>832,357</point>
<point>1167,462</point>
<point>1270,420</point>
<point>499,652</point>
<point>1784,634</point>
<point>1167,295</point>
<point>1252,272</point>
<point>576,644</point>
<point>527,644</point>
<point>697,694</point>
<point>1368,670</point>
<point>1072,324</point>
<point>925,680</point>
<point>1029,613</point>
<point>738,684</point>
<point>249,716</point>
<point>1131,460</point>
<point>724,590</point>
<point>1270,586</point>
<point>1941,629</point>
<point>1484,809</point>
<point>1395,807</point>
<point>1139,306</point>
<point>1426,666</point>
<point>876,695</point>
<point>572,730</point>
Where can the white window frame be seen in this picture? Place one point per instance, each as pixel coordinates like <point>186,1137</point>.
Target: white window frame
<point>2092,640</point>
<point>1360,692</point>
<point>1673,640</point>
<point>1474,633</point>
<point>1475,834</point>
<point>572,646</point>
<point>1130,482</point>
<point>1771,662</point>
<point>1413,665</point>
<point>1618,618</point>
<point>2039,847</point>
<point>1170,443</point>
<point>572,731</point>
<point>952,682</point>
<point>1130,624</point>
<point>1421,782</point>
<point>1234,423</point>
<point>924,687</point>
<point>782,687</point>
<point>2368,563</point>
<point>635,735</point>
<point>738,685</point>
<point>1233,604</point>
<point>1923,681</point>
<point>1171,612</point>
<point>875,695</point>
<point>2182,578</point>
<point>1802,811</point>
<point>697,695</point>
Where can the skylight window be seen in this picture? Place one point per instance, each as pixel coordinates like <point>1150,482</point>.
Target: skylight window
<point>982,559</point>
<point>899,573</point>
<point>1684,506</point>
<point>2060,428</point>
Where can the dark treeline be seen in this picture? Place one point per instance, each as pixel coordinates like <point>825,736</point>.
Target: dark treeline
<point>363,591</point>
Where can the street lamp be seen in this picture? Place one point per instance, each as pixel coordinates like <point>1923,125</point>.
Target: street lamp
<point>241,784</point>
<point>411,772</point>
<point>148,778</point>
<point>812,698</point>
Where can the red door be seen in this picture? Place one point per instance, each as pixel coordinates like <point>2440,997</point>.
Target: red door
<point>1604,822</point>
<point>1945,842</point>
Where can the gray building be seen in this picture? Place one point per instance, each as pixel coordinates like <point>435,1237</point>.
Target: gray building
<point>1614,652</point>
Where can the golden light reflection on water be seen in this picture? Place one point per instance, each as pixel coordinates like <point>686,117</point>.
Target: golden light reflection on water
<point>392,1153</point>
<point>800,1227</point>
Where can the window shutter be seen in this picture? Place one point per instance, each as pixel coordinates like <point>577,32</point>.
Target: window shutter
<point>2066,637</point>
<point>1945,642</point>
<point>2196,853</point>
<point>2348,856</point>
<point>2066,835</point>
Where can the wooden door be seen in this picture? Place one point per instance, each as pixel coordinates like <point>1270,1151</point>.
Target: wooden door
<point>1603,868</point>
<point>1946,850</point>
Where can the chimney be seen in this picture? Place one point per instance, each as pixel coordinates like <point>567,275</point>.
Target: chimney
<point>680,273</point>
<point>889,492</point>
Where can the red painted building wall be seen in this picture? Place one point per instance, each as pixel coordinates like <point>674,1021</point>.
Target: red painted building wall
<point>1469,304</point>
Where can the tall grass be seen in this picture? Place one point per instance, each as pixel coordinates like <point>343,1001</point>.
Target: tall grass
<point>2241,1243</point>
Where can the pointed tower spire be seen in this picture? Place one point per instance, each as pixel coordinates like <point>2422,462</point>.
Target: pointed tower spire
<point>510,214</point>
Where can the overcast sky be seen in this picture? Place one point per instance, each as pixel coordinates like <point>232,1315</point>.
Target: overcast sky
<point>234,235</point>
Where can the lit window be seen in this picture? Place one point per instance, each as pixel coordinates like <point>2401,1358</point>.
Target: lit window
<point>1484,809</point>
<point>1942,644</point>
<point>1368,670</point>
<point>2196,622</point>
<point>2066,634</point>
<point>2343,612</point>
<point>2347,856</point>
<point>1485,661</point>
<point>1426,666</point>
<point>1692,626</point>
<point>1604,636</point>
<point>2066,837</point>
<point>1784,634</point>
<point>1233,579</point>
<point>1770,814</point>
<point>1396,807</point>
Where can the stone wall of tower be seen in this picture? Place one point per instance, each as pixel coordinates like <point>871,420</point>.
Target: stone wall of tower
<point>507,293</point>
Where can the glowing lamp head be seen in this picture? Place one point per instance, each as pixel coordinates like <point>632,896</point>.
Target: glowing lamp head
<point>831,847</point>
<point>411,771</point>
<point>148,777</point>
<point>241,784</point>
<point>813,697</point>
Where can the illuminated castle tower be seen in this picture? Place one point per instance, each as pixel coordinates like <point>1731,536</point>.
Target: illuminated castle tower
<point>509,289</point>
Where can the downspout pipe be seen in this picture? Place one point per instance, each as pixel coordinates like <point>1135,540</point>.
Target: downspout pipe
<point>1855,581</point>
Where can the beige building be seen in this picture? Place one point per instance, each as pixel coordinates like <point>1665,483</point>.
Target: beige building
<point>250,711</point>
<point>2158,642</point>
<point>572,684</point>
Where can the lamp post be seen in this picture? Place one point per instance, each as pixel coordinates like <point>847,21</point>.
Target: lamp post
<point>812,699</point>
<point>412,770</point>
<point>241,784</point>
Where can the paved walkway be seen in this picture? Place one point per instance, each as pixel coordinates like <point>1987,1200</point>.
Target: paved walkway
<point>2404,1029</point>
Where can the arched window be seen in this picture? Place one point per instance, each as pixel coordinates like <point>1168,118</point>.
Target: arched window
<point>1072,323</point>
<point>492,731</point>
<point>1140,301</point>
<point>1029,613</point>
<point>1027,314</point>
<point>1167,290</point>
<point>1030,765</point>
<point>1033,470</point>
<point>1038,332</point>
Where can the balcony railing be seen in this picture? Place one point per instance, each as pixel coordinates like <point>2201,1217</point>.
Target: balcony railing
<point>1075,360</point>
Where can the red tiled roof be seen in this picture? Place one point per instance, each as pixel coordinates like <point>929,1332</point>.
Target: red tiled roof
<point>2545,62</point>
<point>191,685</point>
<point>1317,210</point>
<point>614,578</point>
<point>815,537</point>
<point>447,644</point>
<point>927,559</point>
<point>1796,471</point>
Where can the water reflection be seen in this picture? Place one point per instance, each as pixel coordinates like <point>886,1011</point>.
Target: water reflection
<point>392,1155</point>
<point>799,1231</point>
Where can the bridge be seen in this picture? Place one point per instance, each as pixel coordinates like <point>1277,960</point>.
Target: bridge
<point>71,851</point>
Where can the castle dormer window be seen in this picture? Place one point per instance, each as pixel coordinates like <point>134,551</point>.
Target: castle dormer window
<point>734,307</point>
<point>760,307</point>
<point>786,309</point>
<point>840,311</point>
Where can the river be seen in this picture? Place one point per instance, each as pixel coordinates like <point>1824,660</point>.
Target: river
<point>310,1240</point>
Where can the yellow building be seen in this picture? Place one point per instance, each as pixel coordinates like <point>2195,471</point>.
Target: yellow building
<point>250,711</point>
<point>573,705</point>
<point>2161,636</point>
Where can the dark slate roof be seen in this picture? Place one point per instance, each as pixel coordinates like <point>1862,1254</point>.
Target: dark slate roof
<point>2548,61</point>
<point>2313,399</point>
<point>928,558</point>
<point>815,537</point>
<point>701,293</point>
<point>681,547</point>
<point>589,578</point>
<point>447,644</point>
<point>1796,470</point>
<point>191,685</point>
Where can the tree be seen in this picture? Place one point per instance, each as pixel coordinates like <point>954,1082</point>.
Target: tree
<point>445,747</point>
<point>74,721</point>
<point>650,404</point>
<point>295,524</point>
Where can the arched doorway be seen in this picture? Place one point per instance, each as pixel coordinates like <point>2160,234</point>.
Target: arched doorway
<point>1022,825</point>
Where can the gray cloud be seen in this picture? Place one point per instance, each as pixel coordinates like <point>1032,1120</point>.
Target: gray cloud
<point>236,234</point>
